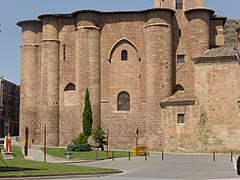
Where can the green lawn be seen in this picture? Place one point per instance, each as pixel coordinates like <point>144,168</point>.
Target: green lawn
<point>20,166</point>
<point>90,155</point>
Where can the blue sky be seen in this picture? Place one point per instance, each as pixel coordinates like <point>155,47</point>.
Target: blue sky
<point>12,11</point>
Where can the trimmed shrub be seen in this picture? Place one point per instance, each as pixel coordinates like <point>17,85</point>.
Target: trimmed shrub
<point>82,139</point>
<point>71,147</point>
<point>80,147</point>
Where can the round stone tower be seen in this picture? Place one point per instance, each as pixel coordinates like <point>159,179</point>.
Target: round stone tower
<point>198,19</point>
<point>87,59</point>
<point>157,3</point>
<point>200,3</point>
<point>159,70</point>
<point>29,69</point>
<point>50,78</point>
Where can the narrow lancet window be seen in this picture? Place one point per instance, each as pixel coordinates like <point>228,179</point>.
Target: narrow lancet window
<point>124,55</point>
<point>70,87</point>
<point>123,101</point>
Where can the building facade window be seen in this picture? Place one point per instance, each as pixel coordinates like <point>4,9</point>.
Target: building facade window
<point>3,113</point>
<point>179,4</point>
<point>64,52</point>
<point>180,118</point>
<point>124,55</point>
<point>123,101</point>
<point>180,33</point>
<point>70,87</point>
<point>181,58</point>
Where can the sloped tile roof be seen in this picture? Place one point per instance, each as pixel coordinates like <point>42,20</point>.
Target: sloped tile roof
<point>200,8</point>
<point>222,53</point>
<point>20,23</point>
<point>179,98</point>
<point>216,17</point>
<point>107,12</point>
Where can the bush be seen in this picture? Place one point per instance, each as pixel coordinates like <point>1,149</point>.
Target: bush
<point>71,147</point>
<point>80,147</point>
<point>82,139</point>
<point>99,137</point>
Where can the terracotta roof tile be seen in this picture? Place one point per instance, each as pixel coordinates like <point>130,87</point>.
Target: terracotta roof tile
<point>20,23</point>
<point>200,8</point>
<point>107,12</point>
<point>179,98</point>
<point>223,53</point>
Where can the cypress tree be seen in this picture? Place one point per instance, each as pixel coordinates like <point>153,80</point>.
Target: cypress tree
<point>87,115</point>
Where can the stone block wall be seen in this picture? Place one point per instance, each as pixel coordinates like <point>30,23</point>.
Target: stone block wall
<point>186,4</point>
<point>117,76</point>
<point>187,28</point>
<point>83,49</point>
<point>29,63</point>
<point>180,137</point>
<point>216,32</point>
<point>217,92</point>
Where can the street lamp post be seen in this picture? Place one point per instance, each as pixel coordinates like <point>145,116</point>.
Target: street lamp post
<point>45,143</point>
<point>1,101</point>
<point>107,132</point>
<point>1,108</point>
<point>137,132</point>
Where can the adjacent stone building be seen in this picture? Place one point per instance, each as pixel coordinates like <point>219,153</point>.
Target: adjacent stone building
<point>164,71</point>
<point>9,108</point>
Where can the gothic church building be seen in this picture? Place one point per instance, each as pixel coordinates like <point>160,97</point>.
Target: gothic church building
<point>164,71</point>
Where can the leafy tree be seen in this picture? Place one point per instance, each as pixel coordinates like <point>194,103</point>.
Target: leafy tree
<point>87,115</point>
<point>99,137</point>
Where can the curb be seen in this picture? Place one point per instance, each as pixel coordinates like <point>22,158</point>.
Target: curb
<point>61,175</point>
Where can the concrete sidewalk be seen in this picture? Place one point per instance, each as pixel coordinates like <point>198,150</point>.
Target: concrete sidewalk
<point>34,153</point>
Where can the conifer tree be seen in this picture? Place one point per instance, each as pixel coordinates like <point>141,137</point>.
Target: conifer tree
<point>87,115</point>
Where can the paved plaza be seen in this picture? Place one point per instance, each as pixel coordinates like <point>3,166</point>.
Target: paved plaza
<point>174,166</point>
<point>155,166</point>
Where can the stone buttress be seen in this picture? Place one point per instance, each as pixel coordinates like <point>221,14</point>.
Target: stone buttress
<point>159,71</point>
<point>29,68</point>
<point>50,79</point>
<point>87,59</point>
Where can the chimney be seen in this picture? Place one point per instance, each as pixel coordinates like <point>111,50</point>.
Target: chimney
<point>157,3</point>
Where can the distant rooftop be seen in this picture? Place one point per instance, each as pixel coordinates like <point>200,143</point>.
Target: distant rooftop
<point>185,97</point>
<point>222,53</point>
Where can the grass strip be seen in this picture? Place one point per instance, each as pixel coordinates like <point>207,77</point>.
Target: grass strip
<point>88,155</point>
<point>20,167</point>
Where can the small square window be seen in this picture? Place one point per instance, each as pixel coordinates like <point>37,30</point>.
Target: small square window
<point>180,118</point>
<point>180,58</point>
<point>179,4</point>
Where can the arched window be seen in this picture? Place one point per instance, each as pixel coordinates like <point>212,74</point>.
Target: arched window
<point>179,4</point>
<point>123,101</point>
<point>124,55</point>
<point>70,87</point>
